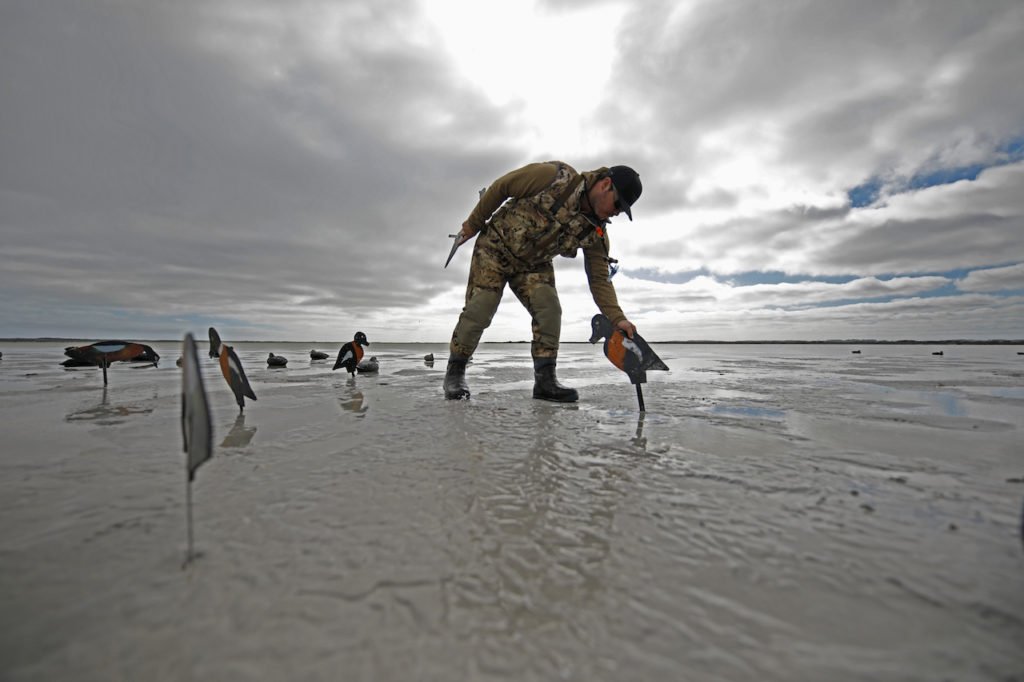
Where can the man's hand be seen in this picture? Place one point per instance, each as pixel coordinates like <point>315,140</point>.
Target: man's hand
<point>627,327</point>
<point>467,231</point>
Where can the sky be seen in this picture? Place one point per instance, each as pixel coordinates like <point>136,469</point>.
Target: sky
<point>812,169</point>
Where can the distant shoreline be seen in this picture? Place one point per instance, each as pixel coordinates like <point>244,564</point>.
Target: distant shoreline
<point>847,342</point>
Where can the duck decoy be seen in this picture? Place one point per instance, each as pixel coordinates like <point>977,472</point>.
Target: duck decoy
<point>351,353</point>
<point>214,343</point>
<point>177,363</point>
<point>318,355</point>
<point>938,352</point>
<point>277,361</point>
<point>196,428</point>
<point>633,356</point>
<point>368,366</point>
<point>429,357</point>
<point>231,368</point>
<point>102,353</point>
<point>855,352</point>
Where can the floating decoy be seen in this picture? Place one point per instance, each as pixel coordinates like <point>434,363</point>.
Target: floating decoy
<point>177,363</point>
<point>633,356</point>
<point>102,353</point>
<point>938,352</point>
<point>368,366</point>
<point>231,368</point>
<point>214,343</point>
<point>855,352</point>
<point>429,357</point>
<point>318,355</point>
<point>351,353</point>
<point>277,361</point>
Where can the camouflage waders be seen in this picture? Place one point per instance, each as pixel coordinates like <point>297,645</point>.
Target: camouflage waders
<point>492,268</point>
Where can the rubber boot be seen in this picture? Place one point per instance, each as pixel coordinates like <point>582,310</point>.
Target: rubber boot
<point>455,387</point>
<point>546,386</point>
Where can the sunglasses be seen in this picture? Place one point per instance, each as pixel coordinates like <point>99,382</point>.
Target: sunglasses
<point>619,206</point>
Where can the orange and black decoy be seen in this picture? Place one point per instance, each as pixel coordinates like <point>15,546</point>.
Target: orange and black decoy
<point>351,353</point>
<point>102,353</point>
<point>633,356</point>
<point>231,368</point>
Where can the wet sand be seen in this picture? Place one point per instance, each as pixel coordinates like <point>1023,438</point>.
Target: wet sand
<point>779,513</point>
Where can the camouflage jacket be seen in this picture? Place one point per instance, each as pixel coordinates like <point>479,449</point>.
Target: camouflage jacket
<point>517,207</point>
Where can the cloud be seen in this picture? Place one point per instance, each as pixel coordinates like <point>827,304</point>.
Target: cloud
<point>292,170</point>
<point>1010,278</point>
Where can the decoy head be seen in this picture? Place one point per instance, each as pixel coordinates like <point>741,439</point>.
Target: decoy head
<point>360,338</point>
<point>601,327</point>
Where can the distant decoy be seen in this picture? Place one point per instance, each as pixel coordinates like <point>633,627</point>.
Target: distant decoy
<point>633,356</point>
<point>277,361</point>
<point>177,363</point>
<point>231,368</point>
<point>855,352</point>
<point>368,366</point>
<point>351,353</point>
<point>938,352</point>
<point>214,343</point>
<point>102,353</point>
<point>318,355</point>
<point>429,357</point>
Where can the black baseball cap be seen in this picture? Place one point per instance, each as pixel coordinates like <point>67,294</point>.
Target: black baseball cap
<point>627,185</point>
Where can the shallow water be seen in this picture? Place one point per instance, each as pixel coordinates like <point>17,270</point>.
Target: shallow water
<point>780,512</point>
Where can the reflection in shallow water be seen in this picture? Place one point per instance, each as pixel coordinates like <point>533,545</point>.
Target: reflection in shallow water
<point>354,402</point>
<point>105,413</point>
<point>748,411</point>
<point>240,434</point>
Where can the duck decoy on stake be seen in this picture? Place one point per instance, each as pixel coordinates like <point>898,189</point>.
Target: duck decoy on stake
<point>351,353</point>
<point>633,356</point>
<point>102,353</point>
<point>231,368</point>
<point>196,426</point>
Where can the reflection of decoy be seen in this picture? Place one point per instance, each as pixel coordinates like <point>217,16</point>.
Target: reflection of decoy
<point>277,361</point>
<point>633,356</point>
<point>102,353</point>
<point>231,368</point>
<point>351,353</point>
<point>214,343</point>
<point>368,366</point>
<point>317,355</point>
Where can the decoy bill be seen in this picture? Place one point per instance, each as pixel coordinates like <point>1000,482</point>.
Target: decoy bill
<point>351,353</point>
<point>633,356</point>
